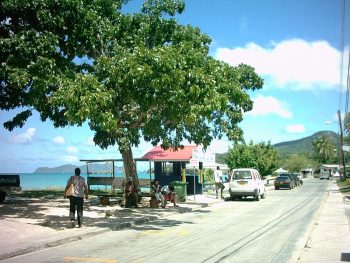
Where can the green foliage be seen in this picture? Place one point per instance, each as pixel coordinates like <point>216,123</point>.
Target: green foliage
<point>323,149</point>
<point>127,76</point>
<point>208,175</point>
<point>297,162</point>
<point>262,156</point>
<point>304,146</point>
<point>138,75</point>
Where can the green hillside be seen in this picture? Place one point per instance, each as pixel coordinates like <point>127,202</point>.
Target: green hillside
<point>304,145</point>
<point>301,146</point>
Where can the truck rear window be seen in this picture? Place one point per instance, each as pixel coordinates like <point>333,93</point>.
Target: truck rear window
<point>238,175</point>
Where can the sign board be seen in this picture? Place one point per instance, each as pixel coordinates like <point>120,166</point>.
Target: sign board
<point>201,156</point>
<point>197,154</point>
<point>194,162</point>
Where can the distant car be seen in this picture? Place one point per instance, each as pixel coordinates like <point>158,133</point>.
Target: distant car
<point>246,182</point>
<point>283,181</point>
<point>291,177</point>
<point>297,178</point>
<point>324,176</point>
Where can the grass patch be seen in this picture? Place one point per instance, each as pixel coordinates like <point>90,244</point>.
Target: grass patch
<point>39,193</point>
<point>344,187</point>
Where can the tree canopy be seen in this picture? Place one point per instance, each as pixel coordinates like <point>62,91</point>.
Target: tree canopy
<point>262,156</point>
<point>129,76</point>
<point>297,162</point>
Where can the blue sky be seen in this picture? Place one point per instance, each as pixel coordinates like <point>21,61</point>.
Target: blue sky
<point>293,45</point>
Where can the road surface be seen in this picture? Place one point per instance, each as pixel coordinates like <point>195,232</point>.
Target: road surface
<point>271,230</point>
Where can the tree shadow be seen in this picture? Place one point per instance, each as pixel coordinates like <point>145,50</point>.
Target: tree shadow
<point>53,212</point>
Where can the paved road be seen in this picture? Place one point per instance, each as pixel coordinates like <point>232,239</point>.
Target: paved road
<point>272,230</point>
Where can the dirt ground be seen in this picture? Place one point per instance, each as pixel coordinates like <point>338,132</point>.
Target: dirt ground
<point>53,210</point>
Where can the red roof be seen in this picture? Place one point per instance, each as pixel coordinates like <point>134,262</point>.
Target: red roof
<point>159,154</point>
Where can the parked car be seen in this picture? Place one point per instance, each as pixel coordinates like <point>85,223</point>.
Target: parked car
<point>283,181</point>
<point>297,178</point>
<point>246,182</point>
<point>324,176</point>
<point>292,180</point>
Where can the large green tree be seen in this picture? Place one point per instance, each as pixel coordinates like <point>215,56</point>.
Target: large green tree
<point>262,156</point>
<point>297,162</point>
<point>127,76</point>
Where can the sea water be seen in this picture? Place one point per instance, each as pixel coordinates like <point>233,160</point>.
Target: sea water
<point>42,181</point>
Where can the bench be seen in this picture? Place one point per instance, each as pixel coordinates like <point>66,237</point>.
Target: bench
<point>9,182</point>
<point>117,187</point>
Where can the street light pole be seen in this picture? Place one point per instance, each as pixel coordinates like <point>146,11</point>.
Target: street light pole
<point>341,146</point>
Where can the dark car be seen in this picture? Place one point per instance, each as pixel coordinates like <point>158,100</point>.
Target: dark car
<point>284,181</point>
<point>294,183</point>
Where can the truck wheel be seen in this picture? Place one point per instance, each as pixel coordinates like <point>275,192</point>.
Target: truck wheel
<point>2,196</point>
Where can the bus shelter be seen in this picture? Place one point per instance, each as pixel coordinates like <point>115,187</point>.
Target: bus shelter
<point>170,165</point>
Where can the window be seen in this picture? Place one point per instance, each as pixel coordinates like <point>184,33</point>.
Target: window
<point>238,175</point>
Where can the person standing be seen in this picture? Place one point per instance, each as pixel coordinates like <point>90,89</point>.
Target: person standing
<point>76,199</point>
<point>218,181</point>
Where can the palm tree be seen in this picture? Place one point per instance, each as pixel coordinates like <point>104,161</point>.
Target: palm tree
<point>323,148</point>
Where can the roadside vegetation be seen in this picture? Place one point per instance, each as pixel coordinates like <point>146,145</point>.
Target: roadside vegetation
<point>309,152</point>
<point>262,156</point>
<point>344,187</point>
<point>48,193</point>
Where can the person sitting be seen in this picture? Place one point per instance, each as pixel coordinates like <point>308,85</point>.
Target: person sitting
<point>131,196</point>
<point>156,190</point>
<point>169,194</point>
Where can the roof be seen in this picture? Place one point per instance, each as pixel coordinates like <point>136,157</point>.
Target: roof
<point>159,154</point>
<point>329,166</point>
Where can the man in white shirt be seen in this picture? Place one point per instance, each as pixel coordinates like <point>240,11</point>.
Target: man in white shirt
<point>218,181</point>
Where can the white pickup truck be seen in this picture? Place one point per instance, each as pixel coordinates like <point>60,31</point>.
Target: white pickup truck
<point>324,176</point>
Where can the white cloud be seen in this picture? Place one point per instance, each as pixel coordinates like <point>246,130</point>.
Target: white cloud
<point>295,128</point>
<point>269,105</point>
<point>59,140</point>
<point>219,146</point>
<point>295,63</point>
<point>72,150</point>
<point>23,137</point>
<point>90,141</point>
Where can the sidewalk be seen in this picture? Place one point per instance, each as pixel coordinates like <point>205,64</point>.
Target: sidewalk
<point>30,224</point>
<point>329,240</point>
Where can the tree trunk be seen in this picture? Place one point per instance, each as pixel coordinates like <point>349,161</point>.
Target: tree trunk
<point>130,166</point>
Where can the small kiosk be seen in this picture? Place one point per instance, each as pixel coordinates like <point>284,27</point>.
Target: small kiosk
<point>170,166</point>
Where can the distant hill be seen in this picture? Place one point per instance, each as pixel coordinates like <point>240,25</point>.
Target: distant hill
<point>69,168</point>
<point>304,145</point>
<point>301,146</point>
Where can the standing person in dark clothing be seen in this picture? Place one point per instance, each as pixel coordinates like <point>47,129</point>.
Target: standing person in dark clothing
<point>76,198</point>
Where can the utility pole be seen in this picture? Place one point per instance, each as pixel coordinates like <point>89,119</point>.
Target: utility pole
<point>341,146</point>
